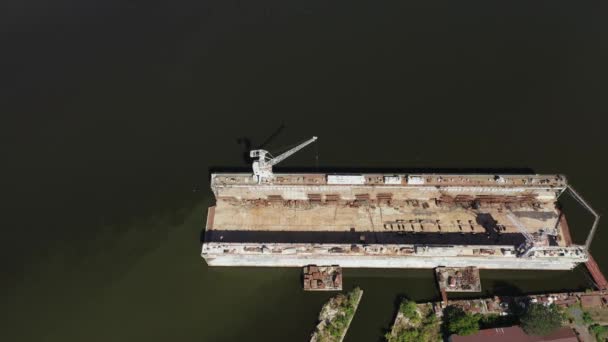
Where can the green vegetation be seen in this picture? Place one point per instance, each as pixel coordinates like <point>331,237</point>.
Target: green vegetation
<point>599,331</point>
<point>456,321</point>
<point>337,314</point>
<point>409,310</point>
<point>417,324</point>
<point>539,319</point>
<point>587,319</point>
<point>599,314</point>
<point>495,321</point>
<point>574,314</point>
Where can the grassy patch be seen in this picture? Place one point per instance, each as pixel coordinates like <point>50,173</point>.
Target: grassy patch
<point>599,315</point>
<point>415,323</point>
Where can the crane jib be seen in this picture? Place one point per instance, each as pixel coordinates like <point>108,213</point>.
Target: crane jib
<point>262,168</point>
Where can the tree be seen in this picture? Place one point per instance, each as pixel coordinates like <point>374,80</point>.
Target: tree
<point>459,322</point>
<point>539,319</point>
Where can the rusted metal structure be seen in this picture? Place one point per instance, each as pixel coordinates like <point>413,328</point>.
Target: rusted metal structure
<point>322,278</point>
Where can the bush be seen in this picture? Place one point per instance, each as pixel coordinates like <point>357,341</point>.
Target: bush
<point>345,304</point>
<point>599,331</point>
<point>427,331</point>
<point>541,320</point>
<point>408,309</point>
<point>410,335</point>
<point>587,319</point>
<point>353,296</point>
<point>459,322</point>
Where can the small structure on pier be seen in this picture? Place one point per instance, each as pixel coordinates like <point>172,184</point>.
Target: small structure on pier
<point>458,279</point>
<point>322,278</point>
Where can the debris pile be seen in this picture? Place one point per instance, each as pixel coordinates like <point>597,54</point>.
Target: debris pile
<point>458,279</point>
<point>322,278</point>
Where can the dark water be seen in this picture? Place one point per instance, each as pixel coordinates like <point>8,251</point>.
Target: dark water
<point>114,112</point>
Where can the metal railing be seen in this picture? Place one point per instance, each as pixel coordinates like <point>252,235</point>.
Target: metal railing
<point>587,206</point>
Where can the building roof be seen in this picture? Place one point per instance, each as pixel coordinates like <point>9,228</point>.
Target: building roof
<point>516,334</point>
<point>591,301</point>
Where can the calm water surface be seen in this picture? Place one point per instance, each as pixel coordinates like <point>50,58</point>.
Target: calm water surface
<point>114,113</point>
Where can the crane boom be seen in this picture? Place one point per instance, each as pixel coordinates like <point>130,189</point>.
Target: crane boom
<point>527,246</point>
<point>287,154</point>
<point>262,168</point>
<point>520,227</point>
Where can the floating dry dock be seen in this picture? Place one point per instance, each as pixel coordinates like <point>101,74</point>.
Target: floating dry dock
<point>389,220</point>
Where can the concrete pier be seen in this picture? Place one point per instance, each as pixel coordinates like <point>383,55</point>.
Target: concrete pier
<point>384,256</point>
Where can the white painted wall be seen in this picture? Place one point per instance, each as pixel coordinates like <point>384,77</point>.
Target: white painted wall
<point>271,260</point>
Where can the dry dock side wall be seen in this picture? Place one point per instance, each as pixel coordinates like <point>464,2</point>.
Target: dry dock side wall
<point>388,262</point>
<point>423,186</point>
<point>215,257</point>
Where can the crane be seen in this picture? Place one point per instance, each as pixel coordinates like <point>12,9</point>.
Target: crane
<point>530,243</point>
<point>262,168</point>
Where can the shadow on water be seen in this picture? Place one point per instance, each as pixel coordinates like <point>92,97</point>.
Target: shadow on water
<point>506,289</point>
<point>579,219</point>
<point>248,145</point>
<point>399,298</point>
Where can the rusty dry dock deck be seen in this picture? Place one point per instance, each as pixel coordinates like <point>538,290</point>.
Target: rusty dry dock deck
<point>397,218</point>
